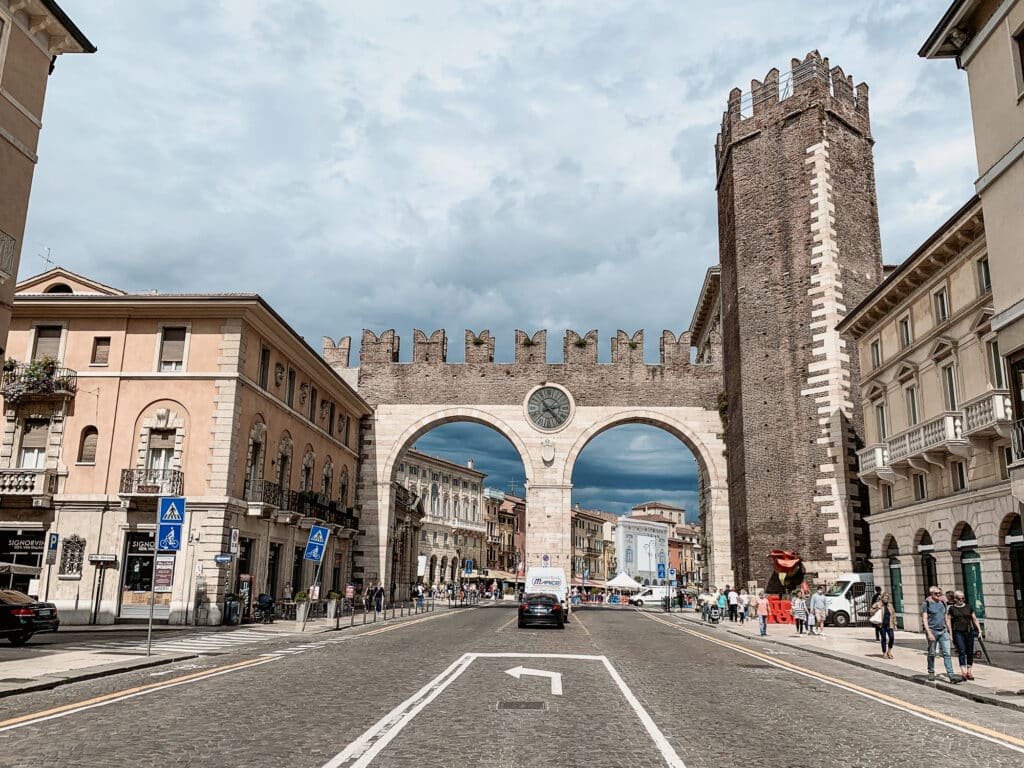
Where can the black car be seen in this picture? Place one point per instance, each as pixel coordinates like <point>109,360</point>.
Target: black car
<point>21,616</point>
<point>541,608</point>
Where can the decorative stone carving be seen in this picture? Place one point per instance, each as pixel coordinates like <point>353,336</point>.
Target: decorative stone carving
<point>303,393</point>
<point>278,374</point>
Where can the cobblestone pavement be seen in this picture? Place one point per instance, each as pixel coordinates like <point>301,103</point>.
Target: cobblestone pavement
<point>710,701</point>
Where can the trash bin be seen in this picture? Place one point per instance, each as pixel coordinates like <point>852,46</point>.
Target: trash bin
<point>232,612</point>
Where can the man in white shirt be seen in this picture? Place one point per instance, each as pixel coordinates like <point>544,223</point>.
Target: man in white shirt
<point>734,599</point>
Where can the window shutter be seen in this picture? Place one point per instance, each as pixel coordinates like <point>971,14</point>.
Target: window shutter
<point>173,345</point>
<point>161,439</point>
<point>101,350</point>
<point>87,451</point>
<point>47,341</point>
<point>35,433</point>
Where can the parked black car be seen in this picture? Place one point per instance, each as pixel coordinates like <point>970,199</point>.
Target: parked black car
<point>541,608</point>
<point>22,616</point>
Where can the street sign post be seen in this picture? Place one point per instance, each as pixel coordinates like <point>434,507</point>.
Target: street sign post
<point>316,545</point>
<point>222,559</point>
<point>170,521</point>
<point>661,571</point>
<point>51,558</point>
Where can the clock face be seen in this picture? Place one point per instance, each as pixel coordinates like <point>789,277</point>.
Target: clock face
<point>549,407</point>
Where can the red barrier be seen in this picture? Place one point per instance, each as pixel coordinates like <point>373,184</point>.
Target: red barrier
<point>779,610</point>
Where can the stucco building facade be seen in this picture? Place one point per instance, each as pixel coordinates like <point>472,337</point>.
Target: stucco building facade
<point>121,398</point>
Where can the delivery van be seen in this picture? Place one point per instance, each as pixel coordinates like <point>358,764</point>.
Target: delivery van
<point>551,581</point>
<point>849,599</point>
<point>652,596</point>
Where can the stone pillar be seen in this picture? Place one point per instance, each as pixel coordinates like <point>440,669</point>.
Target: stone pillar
<point>1000,605</point>
<point>947,567</point>
<point>913,591</point>
<point>547,522</point>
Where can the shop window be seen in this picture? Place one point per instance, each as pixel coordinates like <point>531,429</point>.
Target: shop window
<point>34,435</point>
<point>100,351</point>
<point>172,349</point>
<point>87,445</point>
<point>72,555</point>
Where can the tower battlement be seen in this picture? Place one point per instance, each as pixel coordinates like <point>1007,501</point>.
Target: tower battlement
<point>810,83</point>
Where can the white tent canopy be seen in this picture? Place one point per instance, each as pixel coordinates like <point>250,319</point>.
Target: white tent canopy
<point>624,581</point>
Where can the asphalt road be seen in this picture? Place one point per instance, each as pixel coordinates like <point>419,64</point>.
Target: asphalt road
<point>635,690</point>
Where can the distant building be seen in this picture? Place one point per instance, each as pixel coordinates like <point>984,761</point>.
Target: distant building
<point>640,545</point>
<point>31,39</point>
<point>452,534</point>
<point>591,537</point>
<point>675,515</point>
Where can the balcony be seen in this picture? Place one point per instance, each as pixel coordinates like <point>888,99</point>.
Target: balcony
<point>929,443</point>
<point>152,482</point>
<point>39,484</point>
<point>264,498</point>
<point>1017,442</point>
<point>874,465</point>
<point>988,416</point>
<point>38,380</point>
<point>462,524</point>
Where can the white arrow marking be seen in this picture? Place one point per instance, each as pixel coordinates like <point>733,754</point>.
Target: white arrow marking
<point>556,677</point>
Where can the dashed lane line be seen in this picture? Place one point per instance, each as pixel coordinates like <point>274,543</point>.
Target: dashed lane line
<point>971,729</point>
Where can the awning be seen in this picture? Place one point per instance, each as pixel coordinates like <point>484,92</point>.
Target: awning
<point>19,570</point>
<point>588,584</point>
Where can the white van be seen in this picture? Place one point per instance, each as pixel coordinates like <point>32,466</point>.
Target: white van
<point>849,599</point>
<point>551,581</point>
<point>652,595</point>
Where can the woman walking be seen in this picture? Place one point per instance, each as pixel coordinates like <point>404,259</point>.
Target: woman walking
<point>798,608</point>
<point>887,628</point>
<point>762,612</point>
<point>963,622</point>
<point>744,605</point>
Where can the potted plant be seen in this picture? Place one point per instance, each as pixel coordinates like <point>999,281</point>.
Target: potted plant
<point>301,605</point>
<point>332,603</point>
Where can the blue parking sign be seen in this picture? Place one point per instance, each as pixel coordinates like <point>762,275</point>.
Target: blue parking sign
<point>317,543</point>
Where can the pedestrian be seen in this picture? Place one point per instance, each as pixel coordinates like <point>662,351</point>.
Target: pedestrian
<point>819,607</point>
<point>886,628</point>
<point>762,612</point>
<point>934,624</point>
<point>963,623</point>
<point>378,598</point>
<point>798,607</point>
<point>287,591</point>
<point>419,595</point>
<point>874,601</point>
<point>744,605</point>
<point>723,603</point>
<point>734,600</point>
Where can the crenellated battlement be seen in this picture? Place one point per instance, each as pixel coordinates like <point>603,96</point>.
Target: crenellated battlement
<point>809,83</point>
<point>577,349</point>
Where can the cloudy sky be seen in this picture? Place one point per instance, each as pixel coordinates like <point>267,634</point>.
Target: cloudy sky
<point>472,165</point>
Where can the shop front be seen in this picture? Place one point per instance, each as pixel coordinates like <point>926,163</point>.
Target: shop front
<point>145,575</point>
<point>23,550</point>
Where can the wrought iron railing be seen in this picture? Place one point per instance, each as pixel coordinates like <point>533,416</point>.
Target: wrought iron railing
<point>152,482</point>
<point>41,378</point>
<point>264,492</point>
<point>28,482</point>
<point>1017,441</point>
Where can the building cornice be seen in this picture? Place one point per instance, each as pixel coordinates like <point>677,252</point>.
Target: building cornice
<point>941,503</point>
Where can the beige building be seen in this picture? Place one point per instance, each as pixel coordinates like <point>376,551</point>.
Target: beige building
<point>124,398</point>
<point>986,38</point>
<point>32,34</point>
<point>936,402</point>
<point>592,535</point>
<point>452,536</point>
<point>669,513</point>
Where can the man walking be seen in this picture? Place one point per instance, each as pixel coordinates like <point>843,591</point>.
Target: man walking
<point>933,622</point>
<point>819,607</point>
<point>733,603</point>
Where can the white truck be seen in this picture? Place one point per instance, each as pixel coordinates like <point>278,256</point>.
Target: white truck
<point>551,581</point>
<point>849,599</point>
<point>651,595</point>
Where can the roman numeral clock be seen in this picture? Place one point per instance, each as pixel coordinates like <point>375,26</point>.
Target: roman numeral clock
<point>549,407</point>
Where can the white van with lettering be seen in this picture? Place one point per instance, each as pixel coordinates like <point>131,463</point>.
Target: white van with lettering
<point>551,581</point>
<point>652,596</point>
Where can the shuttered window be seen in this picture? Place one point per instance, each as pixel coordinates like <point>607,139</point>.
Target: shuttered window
<point>87,448</point>
<point>161,438</point>
<point>101,350</point>
<point>47,341</point>
<point>34,433</point>
<point>172,349</point>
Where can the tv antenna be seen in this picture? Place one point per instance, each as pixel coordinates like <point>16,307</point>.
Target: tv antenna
<point>47,261</point>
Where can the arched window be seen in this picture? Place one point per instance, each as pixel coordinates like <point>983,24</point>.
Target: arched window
<point>59,288</point>
<point>87,445</point>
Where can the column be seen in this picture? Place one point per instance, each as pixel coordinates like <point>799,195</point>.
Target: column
<point>547,526</point>
<point>997,588</point>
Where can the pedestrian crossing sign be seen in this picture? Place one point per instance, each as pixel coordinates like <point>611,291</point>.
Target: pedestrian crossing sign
<point>316,543</point>
<point>172,510</point>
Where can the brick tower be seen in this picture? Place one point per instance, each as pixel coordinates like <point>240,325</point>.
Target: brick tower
<point>798,244</point>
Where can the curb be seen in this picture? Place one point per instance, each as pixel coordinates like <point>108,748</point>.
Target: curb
<point>89,673</point>
<point>957,689</point>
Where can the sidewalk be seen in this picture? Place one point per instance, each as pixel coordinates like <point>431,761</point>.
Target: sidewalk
<point>1001,684</point>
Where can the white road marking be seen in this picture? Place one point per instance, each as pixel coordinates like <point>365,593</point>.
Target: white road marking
<point>556,677</point>
<point>361,752</point>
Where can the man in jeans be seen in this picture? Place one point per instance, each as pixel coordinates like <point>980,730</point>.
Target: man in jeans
<point>933,622</point>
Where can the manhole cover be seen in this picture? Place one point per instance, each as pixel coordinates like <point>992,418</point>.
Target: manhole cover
<point>521,705</point>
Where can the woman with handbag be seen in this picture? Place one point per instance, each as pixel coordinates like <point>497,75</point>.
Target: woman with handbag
<point>884,618</point>
<point>963,623</point>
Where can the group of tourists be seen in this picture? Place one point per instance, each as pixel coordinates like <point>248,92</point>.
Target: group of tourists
<point>811,614</point>
<point>948,620</point>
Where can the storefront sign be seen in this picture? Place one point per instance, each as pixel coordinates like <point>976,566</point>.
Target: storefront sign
<point>141,543</point>
<point>22,543</point>
<point>163,573</point>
